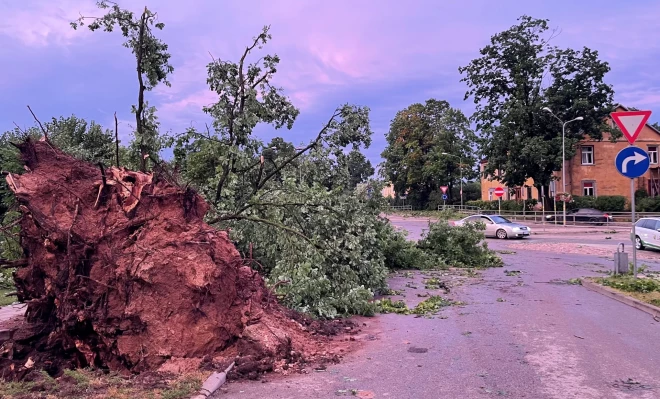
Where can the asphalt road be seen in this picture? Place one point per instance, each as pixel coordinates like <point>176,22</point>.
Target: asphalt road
<point>530,335</point>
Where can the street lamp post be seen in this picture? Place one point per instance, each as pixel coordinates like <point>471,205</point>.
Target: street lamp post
<point>563,152</point>
<point>460,165</point>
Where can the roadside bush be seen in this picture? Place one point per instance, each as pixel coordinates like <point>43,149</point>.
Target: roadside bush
<point>610,203</point>
<point>647,204</point>
<point>506,205</point>
<point>641,193</point>
<point>578,202</point>
<point>459,246</point>
<point>605,203</point>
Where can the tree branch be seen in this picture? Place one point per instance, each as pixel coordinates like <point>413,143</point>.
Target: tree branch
<point>140,105</point>
<point>39,122</point>
<point>268,222</point>
<point>117,138</point>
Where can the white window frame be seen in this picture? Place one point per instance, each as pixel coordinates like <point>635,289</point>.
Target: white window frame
<point>592,188</point>
<point>653,154</point>
<point>589,150</point>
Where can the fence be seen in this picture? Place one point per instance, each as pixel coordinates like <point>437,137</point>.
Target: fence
<point>398,207</point>
<point>470,210</point>
<point>556,217</point>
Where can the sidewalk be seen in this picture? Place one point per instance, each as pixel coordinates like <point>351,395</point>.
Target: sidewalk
<point>539,228</point>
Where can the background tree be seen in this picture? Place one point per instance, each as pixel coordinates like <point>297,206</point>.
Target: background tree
<point>359,168</point>
<point>152,67</point>
<point>428,145</point>
<point>517,75</point>
<point>86,141</point>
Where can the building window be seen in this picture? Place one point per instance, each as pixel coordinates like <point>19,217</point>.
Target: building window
<point>490,194</point>
<point>588,189</point>
<point>654,187</point>
<point>587,154</point>
<point>653,154</point>
<point>517,192</point>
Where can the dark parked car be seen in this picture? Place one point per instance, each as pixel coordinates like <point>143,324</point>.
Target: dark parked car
<point>584,215</point>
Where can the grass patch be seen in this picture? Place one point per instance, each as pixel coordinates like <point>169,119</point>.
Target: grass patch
<point>643,289</point>
<point>512,273</point>
<point>88,384</point>
<point>182,388</point>
<point>630,284</point>
<point>7,300</point>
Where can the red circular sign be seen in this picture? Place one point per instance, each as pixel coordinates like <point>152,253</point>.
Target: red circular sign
<point>499,191</point>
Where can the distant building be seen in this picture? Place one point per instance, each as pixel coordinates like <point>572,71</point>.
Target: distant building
<point>591,172</point>
<point>388,191</point>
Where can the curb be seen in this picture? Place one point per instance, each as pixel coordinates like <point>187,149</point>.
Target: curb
<point>635,303</point>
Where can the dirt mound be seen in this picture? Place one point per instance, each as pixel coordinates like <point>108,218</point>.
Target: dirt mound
<point>122,273</point>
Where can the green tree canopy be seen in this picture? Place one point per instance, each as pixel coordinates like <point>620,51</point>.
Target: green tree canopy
<point>428,145</point>
<point>517,75</point>
<point>86,141</point>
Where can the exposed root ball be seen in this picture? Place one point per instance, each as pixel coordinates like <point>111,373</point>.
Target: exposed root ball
<point>123,273</point>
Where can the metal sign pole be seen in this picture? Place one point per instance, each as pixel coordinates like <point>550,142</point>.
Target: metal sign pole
<point>499,205</point>
<point>633,235</point>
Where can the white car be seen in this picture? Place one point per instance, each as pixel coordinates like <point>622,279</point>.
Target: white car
<point>647,233</point>
<point>498,226</point>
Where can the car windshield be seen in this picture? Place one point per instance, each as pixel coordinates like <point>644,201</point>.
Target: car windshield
<point>500,219</point>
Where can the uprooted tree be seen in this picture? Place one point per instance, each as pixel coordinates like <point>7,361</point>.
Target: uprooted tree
<point>122,272</point>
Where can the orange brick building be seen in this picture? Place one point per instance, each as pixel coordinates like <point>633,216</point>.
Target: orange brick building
<point>591,172</point>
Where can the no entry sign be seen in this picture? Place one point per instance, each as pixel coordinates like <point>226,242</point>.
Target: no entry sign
<point>499,191</point>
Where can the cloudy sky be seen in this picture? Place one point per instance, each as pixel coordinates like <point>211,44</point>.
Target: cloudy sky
<point>385,54</point>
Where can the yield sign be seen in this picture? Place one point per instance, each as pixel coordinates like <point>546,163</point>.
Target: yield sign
<point>631,123</point>
<point>444,189</point>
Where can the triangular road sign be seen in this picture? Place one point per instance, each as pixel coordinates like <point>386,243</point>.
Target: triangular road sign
<point>631,123</point>
<point>444,189</point>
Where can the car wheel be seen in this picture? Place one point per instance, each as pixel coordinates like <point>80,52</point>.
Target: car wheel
<point>638,243</point>
<point>501,234</point>
<point>593,221</point>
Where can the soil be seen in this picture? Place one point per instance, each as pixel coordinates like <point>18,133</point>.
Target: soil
<point>121,273</point>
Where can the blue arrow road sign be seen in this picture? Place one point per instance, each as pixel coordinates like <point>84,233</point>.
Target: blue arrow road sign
<point>444,197</point>
<point>632,162</point>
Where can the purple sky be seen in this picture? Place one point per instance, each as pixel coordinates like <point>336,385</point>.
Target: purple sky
<point>383,54</point>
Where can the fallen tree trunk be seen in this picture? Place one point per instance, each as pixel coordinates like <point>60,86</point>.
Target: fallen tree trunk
<point>121,272</point>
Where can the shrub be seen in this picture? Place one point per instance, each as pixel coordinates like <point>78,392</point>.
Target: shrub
<point>641,193</point>
<point>459,246</point>
<point>506,205</point>
<point>579,202</point>
<point>605,203</point>
<point>648,205</point>
<point>610,203</point>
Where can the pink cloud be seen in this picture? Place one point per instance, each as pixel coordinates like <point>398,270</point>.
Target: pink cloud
<point>40,23</point>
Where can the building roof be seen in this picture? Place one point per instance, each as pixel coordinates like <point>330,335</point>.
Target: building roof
<point>617,106</point>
